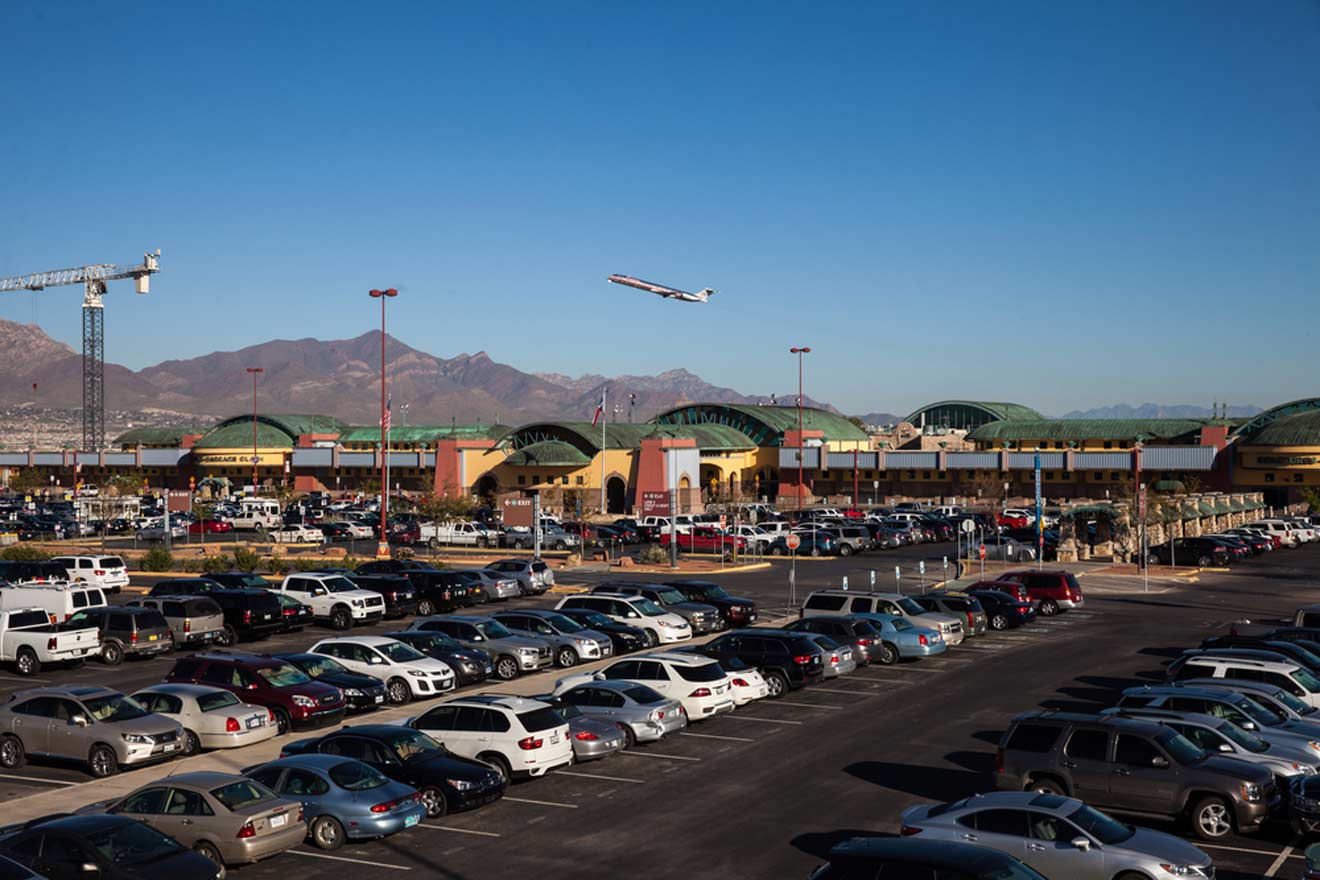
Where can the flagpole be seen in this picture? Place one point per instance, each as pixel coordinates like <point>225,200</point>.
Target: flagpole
<point>603,419</point>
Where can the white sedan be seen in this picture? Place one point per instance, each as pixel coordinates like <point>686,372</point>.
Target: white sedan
<point>407,672</point>
<point>296,534</point>
<point>356,529</point>
<point>212,718</point>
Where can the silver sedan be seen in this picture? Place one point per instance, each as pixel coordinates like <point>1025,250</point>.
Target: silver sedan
<point>839,659</point>
<point>212,718</point>
<point>593,738</point>
<point>497,586</point>
<point>642,713</point>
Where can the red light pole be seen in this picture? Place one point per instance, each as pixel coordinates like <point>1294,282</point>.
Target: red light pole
<point>801,442</point>
<point>383,548</point>
<point>255,458</point>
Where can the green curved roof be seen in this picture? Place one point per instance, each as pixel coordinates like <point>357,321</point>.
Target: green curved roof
<point>549,453</point>
<point>153,437</point>
<point>1298,429</point>
<point>1087,429</point>
<point>272,430</point>
<point>997,410</point>
<point>424,433</point>
<point>1249,430</point>
<point>762,425</point>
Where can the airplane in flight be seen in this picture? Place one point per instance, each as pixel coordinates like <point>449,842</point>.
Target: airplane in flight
<point>700,296</point>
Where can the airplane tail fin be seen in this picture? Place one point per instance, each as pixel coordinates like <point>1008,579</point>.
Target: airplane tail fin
<point>706,293</point>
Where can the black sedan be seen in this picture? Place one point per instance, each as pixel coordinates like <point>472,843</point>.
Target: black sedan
<point>446,782</point>
<point>1003,611</point>
<point>735,610</point>
<point>335,531</point>
<point>362,693</point>
<point>624,638</point>
<point>470,665</point>
<point>64,847</point>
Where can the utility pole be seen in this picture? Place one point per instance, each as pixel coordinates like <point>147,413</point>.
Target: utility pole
<point>383,547</point>
<point>256,459</point>
<point>800,351</point>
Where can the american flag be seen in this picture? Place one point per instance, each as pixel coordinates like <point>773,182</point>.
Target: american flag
<point>385,419</point>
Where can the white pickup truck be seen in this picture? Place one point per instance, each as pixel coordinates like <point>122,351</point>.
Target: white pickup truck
<point>334,598</point>
<point>462,534</point>
<point>28,640</point>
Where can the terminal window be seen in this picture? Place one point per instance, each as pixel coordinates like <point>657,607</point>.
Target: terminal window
<point>522,479</point>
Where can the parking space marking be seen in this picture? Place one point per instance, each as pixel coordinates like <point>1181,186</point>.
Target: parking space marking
<point>40,779</point>
<point>313,855</point>
<point>459,830</point>
<point>1243,849</point>
<point>25,680</point>
<point>808,705</point>
<point>1283,857</point>
<point>600,776</point>
<point>740,739</point>
<point>633,754</point>
<point>824,690</point>
<point>763,720</point>
<point>518,800</point>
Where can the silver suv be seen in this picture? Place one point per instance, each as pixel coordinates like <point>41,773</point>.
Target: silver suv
<point>97,725</point>
<point>514,654</point>
<point>534,576</point>
<point>832,602</point>
<point>701,617</point>
<point>572,642</point>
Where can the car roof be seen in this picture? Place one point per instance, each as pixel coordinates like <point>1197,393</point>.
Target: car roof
<point>207,779</point>
<point>81,692</point>
<point>529,612</point>
<point>513,702</point>
<point>941,853</point>
<point>246,657</point>
<point>1243,656</point>
<point>314,760</point>
<point>1148,727</point>
<point>676,657</point>
<point>462,618</point>
<point>1168,690</point>
<point>1052,802</point>
<point>361,640</point>
<point>183,689</point>
<point>1142,712</point>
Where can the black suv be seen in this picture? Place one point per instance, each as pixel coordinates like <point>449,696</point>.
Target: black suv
<point>735,610</point>
<point>398,592</point>
<point>1140,768</point>
<point>787,660</point>
<point>1203,552</point>
<point>437,591</point>
<point>241,579</point>
<point>32,571</point>
<point>127,632</point>
<point>625,638</point>
<point>249,614</point>
<point>200,586</point>
<point>856,631</point>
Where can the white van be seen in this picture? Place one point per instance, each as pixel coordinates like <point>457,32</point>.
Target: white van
<point>59,601</point>
<point>1277,528</point>
<point>257,513</point>
<point>107,572</point>
<point>947,510</point>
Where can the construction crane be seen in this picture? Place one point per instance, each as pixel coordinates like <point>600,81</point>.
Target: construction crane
<point>93,279</point>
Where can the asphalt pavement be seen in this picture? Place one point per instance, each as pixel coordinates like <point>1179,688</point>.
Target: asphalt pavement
<point>765,791</point>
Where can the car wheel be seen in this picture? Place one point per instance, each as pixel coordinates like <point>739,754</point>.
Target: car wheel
<point>202,848</point>
<point>844,550</point>
<point>1204,561</point>
<point>26,662</point>
<point>434,543</point>
<point>282,722</point>
<point>112,654</point>
<point>776,550</point>
<point>12,754</point>
<point>191,744</point>
<point>341,619</point>
<point>629,738</point>
<point>652,639</point>
<point>777,684</point>
<point>506,668</point>
<point>566,657</point>
<point>425,608</point>
<point>434,801</point>
<point>888,655</point>
<point>326,832</point>
<point>1212,819</point>
<point>228,637</point>
<point>1049,607</point>
<point>397,690</point>
<point>998,622</point>
<point>102,762</point>
<point>498,764</point>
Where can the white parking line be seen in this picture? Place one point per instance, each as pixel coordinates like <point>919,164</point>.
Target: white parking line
<point>25,680</point>
<point>459,830</point>
<point>806,705</point>
<point>633,754</point>
<point>40,779</point>
<point>312,855</point>
<point>824,690</point>
<point>599,776</point>
<point>1278,863</point>
<point>762,720</point>
<point>1243,849</point>
<point>739,739</point>
<point>519,800</point>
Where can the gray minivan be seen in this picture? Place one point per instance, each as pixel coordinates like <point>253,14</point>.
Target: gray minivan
<point>194,620</point>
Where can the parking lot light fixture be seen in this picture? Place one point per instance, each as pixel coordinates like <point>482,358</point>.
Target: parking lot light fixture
<point>254,371</point>
<point>383,547</point>
<point>800,351</point>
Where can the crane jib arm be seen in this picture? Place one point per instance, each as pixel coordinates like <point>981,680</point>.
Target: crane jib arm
<point>82,274</point>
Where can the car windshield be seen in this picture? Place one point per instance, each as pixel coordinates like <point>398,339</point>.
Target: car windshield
<point>702,672</point>
<point>1244,739</point>
<point>356,776</point>
<point>593,618</point>
<point>132,843</point>
<point>909,606</point>
<point>1291,702</point>
<point>1100,826</point>
<point>243,793</point>
<point>493,629</point>
<point>714,591</point>
<point>649,608</point>
<point>112,562</point>
<point>568,710</point>
<point>901,625</point>
<point>640,693</point>
<point>1183,750</point>
<point>218,700</point>
<point>317,665</point>
<point>408,744</point>
<point>401,653</point>
<point>115,707</point>
<point>670,596</point>
<point>564,624</point>
<point>338,584</point>
<point>284,675</point>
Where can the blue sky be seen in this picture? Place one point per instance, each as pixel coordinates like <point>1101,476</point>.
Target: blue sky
<point>1067,204</point>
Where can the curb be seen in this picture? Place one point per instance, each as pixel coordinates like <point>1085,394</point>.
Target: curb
<point>567,589</point>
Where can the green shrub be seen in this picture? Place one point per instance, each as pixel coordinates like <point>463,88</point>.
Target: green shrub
<point>216,564</point>
<point>352,562</point>
<point>156,559</point>
<point>653,554</point>
<point>246,560</point>
<point>303,563</point>
<point>23,553</point>
<point>277,565</point>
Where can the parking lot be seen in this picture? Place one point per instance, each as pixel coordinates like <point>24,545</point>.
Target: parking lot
<point>765,791</point>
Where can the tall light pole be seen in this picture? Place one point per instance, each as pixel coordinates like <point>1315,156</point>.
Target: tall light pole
<point>255,458</point>
<point>34,415</point>
<point>383,548</point>
<point>801,441</point>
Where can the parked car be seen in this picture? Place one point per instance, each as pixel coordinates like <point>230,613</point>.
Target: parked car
<point>1134,766</point>
<point>909,857</point>
<point>1013,588</point>
<point>1243,709</point>
<point>838,659</point>
<point>362,692</point>
<point>210,527</point>
<point>592,738</point>
<point>697,681</point>
<point>295,533</point>
<point>240,580</point>
<point>787,660</point>
<point>829,602</point>
<point>534,576</point>
<point>624,638</point>
<point>294,615</point>
<point>193,620</point>
<point>1003,610</point>
<point>1055,591</point>
<point>954,603</point>
<point>570,641</point>
<point>398,592</point>
<point>816,543</point>
<point>1202,552</point>
<point>470,665</point>
<point>446,782</point>
<point>127,632</point>
<point>641,713</point>
<point>1282,710</point>
<point>661,626</point>
<point>701,617</point>
<point>211,718</point>
<point>29,640</point>
<point>250,615</point>
<point>514,654</point>
<point>334,599</point>
<point>95,725</point>
<point>498,587</point>
<point>735,610</point>
<point>1002,548</point>
<point>437,591</point>
<point>198,586</point>
<point>858,633</point>
<point>295,699</point>
<point>342,798</point>
<point>407,672</point>
<point>1249,665</point>
<point>232,820</point>
<point>515,735</point>
<point>107,572</point>
<point>1058,836</point>
<point>117,848</point>
<point>60,600</point>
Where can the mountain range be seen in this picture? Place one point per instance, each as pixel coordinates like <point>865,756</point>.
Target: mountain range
<point>1161,411</point>
<point>341,378</point>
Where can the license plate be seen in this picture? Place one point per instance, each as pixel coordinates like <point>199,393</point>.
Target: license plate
<point>411,821</point>
<point>253,722</point>
<point>279,821</point>
<point>554,738</point>
<point>152,638</point>
<point>380,699</point>
<point>169,747</point>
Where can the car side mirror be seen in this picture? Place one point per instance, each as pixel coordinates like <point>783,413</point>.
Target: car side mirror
<point>478,638</point>
<point>1247,725</point>
<point>377,661</point>
<point>89,868</point>
<point>1159,761</point>
<point>79,721</point>
<point>598,676</point>
<point>1081,843</point>
<point>1225,747</point>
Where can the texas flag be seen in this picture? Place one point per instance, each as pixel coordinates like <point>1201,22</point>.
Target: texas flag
<point>600,410</point>
<point>385,419</point>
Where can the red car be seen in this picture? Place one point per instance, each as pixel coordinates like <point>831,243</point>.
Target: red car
<point>706,541</point>
<point>1011,522</point>
<point>209,526</point>
<point>1055,590</point>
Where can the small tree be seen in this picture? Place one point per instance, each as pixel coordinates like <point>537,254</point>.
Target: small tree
<point>157,559</point>
<point>447,505</point>
<point>26,480</point>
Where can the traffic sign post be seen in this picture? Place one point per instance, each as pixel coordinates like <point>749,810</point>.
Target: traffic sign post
<point>845,582</point>
<point>898,578</point>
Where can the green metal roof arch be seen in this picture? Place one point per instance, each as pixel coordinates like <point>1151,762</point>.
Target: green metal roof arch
<point>762,425</point>
<point>1247,431</point>
<point>272,430</point>
<point>549,453</point>
<point>1087,429</point>
<point>997,411</point>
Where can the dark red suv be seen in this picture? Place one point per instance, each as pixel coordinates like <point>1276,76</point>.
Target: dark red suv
<point>1055,590</point>
<point>295,700</point>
